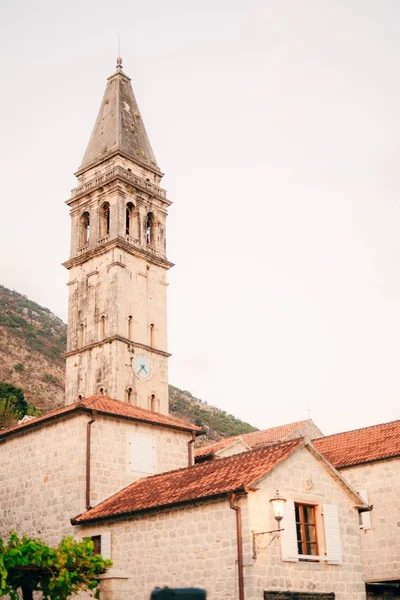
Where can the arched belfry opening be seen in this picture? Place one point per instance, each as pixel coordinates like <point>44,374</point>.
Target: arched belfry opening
<point>130,218</point>
<point>105,220</point>
<point>84,233</point>
<point>151,230</point>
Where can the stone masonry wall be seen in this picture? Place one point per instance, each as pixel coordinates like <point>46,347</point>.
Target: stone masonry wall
<point>42,479</point>
<point>303,479</point>
<point>191,546</point>
<point>196,545</point>
<point>381,543</point>
<point>110,452</point>
<point>43,470</point>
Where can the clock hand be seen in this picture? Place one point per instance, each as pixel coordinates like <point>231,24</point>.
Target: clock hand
<point>144,369</point>
<point>141,367</point>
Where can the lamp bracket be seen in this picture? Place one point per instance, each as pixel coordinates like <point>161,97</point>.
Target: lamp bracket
<point>256,544</point>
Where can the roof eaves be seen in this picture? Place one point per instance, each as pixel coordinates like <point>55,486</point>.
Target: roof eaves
<point>301,443</point>
<point>368,461</point>
<point>123,515</point>
<point>236,441</point>
<point>28,425</point>
<point>182,427</point>
<point>359,502</point>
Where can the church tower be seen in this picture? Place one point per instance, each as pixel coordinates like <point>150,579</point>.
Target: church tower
<point>117,316</point>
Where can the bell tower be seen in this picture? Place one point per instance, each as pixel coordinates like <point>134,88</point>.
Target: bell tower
<point>117,314</point>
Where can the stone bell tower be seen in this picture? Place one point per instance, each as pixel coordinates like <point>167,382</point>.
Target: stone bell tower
<point>117,318</point>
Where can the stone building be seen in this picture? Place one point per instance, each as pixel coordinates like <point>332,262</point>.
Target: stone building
<point>58,465</point>
<point>113,464</point>
<point>369,459</point>
<point>248,441</point>
<point>212,525</point>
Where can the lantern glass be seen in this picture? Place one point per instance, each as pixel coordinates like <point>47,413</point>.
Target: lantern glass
<point>278,506</point>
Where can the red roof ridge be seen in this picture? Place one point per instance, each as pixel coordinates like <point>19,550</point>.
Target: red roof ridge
<point>331,435</point>
<point>221,444</point>
<point>87,404</point>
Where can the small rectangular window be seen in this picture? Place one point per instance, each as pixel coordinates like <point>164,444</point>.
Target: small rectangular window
<point>96,539</point>
<point>306,530</point>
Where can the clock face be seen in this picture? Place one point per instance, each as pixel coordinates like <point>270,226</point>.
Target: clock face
<point>142,366</point>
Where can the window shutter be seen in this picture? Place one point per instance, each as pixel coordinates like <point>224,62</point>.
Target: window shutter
<point>289,536</point>
<point>142,453</point>
<point>365,516</point>
<point>332,534</point>
<point>106,544</point>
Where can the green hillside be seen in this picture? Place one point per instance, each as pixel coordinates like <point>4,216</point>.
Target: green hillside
<point>32,344</point>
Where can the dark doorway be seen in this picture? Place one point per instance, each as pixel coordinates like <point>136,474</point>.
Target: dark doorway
<point>297,596</point>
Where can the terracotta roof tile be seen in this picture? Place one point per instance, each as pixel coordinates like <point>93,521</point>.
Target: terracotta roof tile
<point>206,480</point>
<point>361,445</point>
<point>255,438</point>
<point>108,406</point>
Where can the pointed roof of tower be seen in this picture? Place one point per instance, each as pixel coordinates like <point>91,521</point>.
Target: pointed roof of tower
<point>119,127</point>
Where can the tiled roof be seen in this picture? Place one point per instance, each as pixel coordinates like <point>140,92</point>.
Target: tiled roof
<point>255,438</point>
<point>361,445</point>
<point>107,406</point>
<point>206,480</point>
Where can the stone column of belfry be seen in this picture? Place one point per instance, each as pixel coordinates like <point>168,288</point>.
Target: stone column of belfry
<point>117,317</point>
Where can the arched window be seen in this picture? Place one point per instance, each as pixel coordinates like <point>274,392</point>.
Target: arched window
<point>84,229</point>
<point>81,335</point>
<point>129,394</point>
<point>129,219</point>
<point>130,327</point>
<point>154,403</point>
<point>150,229</point>
<point>102,391</point>
<point>79,397</point>
<point>102,327</point>
<point>152,335</point>
<point>105,219</point>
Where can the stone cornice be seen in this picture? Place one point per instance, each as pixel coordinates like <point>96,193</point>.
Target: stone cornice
<point>130,176</point>
<point>122,244</point>
<point>118,338</point>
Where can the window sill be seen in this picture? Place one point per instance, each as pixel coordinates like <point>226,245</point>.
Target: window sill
<point>311,558</point>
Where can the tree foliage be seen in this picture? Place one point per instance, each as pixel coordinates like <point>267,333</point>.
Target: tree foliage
<point>13,398</point>
<point>29,564</point>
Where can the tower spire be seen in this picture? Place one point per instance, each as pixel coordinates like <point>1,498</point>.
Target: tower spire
<point>119,128</point>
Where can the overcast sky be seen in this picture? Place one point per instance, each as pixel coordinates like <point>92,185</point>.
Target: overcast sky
<point>277,125</point>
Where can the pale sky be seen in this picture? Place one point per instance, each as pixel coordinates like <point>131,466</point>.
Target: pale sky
<point>277,125</point>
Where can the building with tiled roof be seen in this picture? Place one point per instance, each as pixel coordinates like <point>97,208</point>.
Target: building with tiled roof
<point>369,459</point>
<point>213,524</point>
<point>247,441</point>
<point>361,446</point>
<point>74,457</point>
<point>114,465</point>
<point>105,406</point>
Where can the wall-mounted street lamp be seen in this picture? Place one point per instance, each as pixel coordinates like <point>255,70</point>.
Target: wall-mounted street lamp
<point>278,508</point>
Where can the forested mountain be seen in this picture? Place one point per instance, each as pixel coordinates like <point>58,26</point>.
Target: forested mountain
<point>32,343</point>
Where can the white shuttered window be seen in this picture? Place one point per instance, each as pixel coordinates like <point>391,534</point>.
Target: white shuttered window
<point>290,542</point>
<point>106,544</point>
<point>142,453</point>
<point>332,534</point>
<point>288,535</point>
